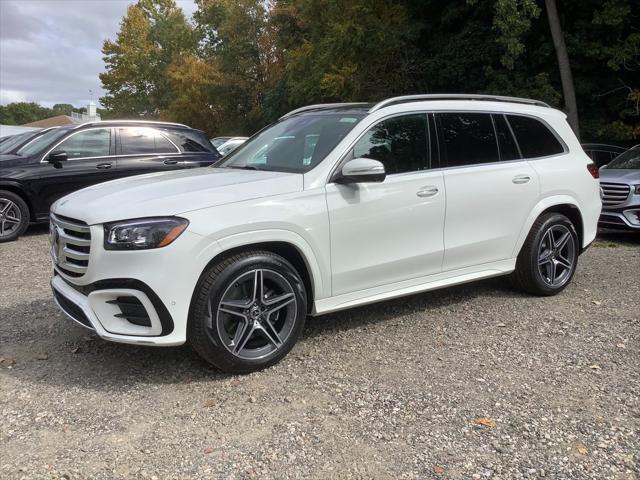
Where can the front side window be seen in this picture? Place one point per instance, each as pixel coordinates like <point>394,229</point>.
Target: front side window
<point>143,141</point>
<point>467,138</point>
<point>296,144</point>
<point>88,143</point>
<point>628,160</point>
<point>534,137</point>
<point>400,143</point>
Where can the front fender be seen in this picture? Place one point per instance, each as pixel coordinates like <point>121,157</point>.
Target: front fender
<point>286,236</point>
<point>319,279</point>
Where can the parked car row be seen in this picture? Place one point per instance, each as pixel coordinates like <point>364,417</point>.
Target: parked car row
<point>226,145</point>
<point>44,166</point>
<point>620,183</point>
<point>330,207</point>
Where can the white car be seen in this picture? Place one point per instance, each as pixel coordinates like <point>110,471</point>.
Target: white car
<point>230,145</point>
<point>349,204</point>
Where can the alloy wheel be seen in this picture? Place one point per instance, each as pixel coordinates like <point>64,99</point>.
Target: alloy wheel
<point>10,217</point>
<point>556,255</point>
<point>256,314</point>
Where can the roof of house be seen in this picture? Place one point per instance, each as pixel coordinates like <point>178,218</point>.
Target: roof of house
<point>57,121</point>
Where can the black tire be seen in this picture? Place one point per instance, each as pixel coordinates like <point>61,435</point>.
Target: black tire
<point>209,334</point>
<point>13,205</point>
<point>535,279</point>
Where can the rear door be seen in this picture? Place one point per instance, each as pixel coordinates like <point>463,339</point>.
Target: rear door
<point>142,149</point>
<point>490,189</point>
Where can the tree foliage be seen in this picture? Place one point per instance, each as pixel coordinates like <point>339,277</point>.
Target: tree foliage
<point>242,63</point>
<point>152,35</point>
<point>19,113</point>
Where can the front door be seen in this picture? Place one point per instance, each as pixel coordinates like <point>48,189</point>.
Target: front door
<point>382,233</point>
<point>90,161</point>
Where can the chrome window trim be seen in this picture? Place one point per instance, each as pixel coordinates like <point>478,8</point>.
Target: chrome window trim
<point>75,132</point>
<point>565,147</point>
<point>154,153</point>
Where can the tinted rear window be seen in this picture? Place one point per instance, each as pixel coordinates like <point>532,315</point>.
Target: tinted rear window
<point>534,137</point>
<point>506,142</point>
<point>143,141</point>
<point>468,138</point>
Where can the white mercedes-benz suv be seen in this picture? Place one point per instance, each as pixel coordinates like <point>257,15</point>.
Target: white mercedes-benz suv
<point>332,206</point>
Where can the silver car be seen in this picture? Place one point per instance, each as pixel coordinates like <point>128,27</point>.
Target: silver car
<point>620,183</point>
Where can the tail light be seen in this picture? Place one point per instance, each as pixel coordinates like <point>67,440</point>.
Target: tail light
<point>593,170</point>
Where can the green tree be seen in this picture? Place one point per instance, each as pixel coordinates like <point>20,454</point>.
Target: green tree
<point>346,50</point>
<point>238,44</point>
<point>19,113</point>
<point>152,34</point>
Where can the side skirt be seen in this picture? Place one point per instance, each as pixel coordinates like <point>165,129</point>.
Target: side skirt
<point>414,285</point>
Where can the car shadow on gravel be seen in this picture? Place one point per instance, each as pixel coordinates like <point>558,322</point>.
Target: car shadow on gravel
<point>47,347</point>
<point>37,229</point>
<point>404,306</point>
<point>615,237</point>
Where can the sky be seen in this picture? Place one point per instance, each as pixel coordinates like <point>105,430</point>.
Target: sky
<point>50,49</point>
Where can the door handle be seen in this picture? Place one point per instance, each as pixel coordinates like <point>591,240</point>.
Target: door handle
<point>103,166</point>
<point>170,161</point>
<point>428,191</point>
<point>519,179</point>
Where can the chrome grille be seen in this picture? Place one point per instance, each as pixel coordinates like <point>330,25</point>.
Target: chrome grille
<point>70,245</point>
<point>614,193</point>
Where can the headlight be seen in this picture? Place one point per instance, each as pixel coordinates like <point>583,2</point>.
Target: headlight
<point>636,189</point>
<point>143,233</point>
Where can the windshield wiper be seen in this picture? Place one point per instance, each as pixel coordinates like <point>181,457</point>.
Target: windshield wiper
<point>244,167</point>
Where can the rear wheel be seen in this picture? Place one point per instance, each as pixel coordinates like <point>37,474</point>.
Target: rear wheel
<point>249,310</point>
<point>549,257</point>
<point>14,216</point>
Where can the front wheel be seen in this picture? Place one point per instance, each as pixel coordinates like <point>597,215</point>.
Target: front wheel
<point>249,310</point>
<point>14,216</point>
<point>549,256</point>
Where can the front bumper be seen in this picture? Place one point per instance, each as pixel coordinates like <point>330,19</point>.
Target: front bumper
<point>625,218</point>
<point>96,307</point>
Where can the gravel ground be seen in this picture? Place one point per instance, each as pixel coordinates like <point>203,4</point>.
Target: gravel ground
<point>477,381</point>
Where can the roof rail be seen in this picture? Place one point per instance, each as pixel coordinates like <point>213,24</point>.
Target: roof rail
<point>321,106</point>
<point>454,96</point>
<point>102,122</point>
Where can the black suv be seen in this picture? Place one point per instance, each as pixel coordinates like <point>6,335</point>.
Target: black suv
<point>66,159</point>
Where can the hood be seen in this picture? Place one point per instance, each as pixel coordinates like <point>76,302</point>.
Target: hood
<point>11,160</point>
<point>172,193</point>
<point>620,175</point>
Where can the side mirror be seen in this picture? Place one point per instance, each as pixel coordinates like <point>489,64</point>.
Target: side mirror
<point>361,170</point>
<point>57,156</point>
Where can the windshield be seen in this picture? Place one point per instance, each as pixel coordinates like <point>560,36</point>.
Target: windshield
<point>296,144</point>
<point>627,160</point>
<point>15,140</point>
<point>42,142</point>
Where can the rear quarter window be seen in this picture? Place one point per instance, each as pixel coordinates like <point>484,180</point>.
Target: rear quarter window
<point>534,137</point>
<point>190,140</point>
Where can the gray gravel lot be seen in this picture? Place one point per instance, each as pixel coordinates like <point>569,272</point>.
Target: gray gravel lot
<point>477,381</point>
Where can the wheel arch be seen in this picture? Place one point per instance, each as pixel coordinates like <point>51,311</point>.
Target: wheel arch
<point>299,255</point>
<point>18,190</point>
<point>565,205</point>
